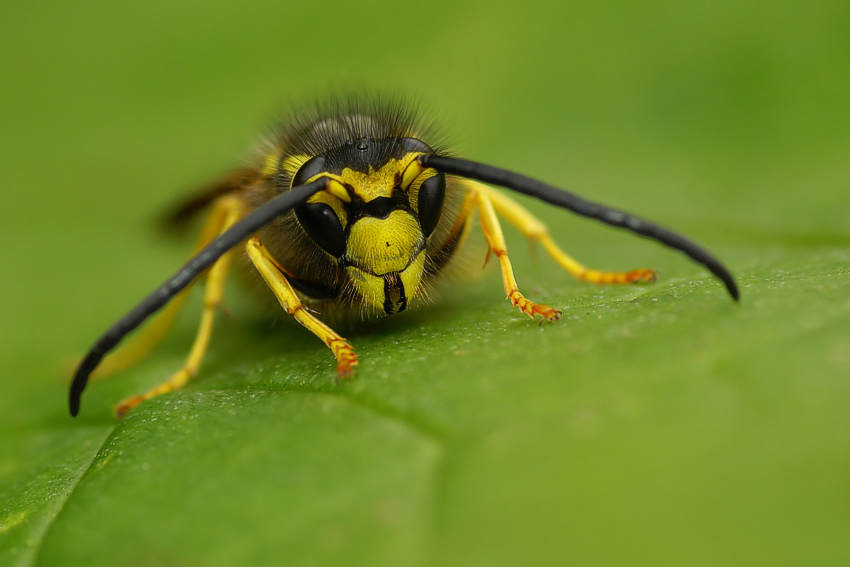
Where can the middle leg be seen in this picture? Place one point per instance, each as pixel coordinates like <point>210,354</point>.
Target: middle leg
<point>213,296</point>
<point>533,228</point>
<point>496,241</point>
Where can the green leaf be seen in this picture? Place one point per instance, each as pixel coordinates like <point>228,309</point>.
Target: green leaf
<point>660,424</point>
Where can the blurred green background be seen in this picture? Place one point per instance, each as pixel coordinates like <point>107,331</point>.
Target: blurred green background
<point>657,425</point>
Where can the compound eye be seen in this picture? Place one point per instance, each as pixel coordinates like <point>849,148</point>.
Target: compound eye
<point>310,168</point>
<point>432,193</point>
<point>415,145</point>
<point>323,227</point>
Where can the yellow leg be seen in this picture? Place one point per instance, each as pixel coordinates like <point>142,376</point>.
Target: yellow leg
<point>346,359</point>
<point>133,351</point>
<point>532,228</point>
<point>213,295</point>
<point>496,240</point>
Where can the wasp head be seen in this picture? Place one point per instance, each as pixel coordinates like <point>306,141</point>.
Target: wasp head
<point>375,216</point>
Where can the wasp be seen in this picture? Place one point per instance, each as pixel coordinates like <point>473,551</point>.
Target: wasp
<point>349,206</point>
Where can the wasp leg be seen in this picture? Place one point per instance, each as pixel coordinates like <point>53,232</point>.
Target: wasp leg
<point>496,240</point>
<point>534,229</point>
<point>272,273</point>
<point>230,210</point>
<point>132,352</point>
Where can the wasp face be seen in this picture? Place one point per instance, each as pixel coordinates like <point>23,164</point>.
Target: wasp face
<point>384,259</point>
<point>376,216</point>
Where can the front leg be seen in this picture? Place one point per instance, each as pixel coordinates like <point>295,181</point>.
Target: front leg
<point>272,273</point>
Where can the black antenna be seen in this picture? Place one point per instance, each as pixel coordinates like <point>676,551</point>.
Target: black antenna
<point>574,203</point>
<point>192,269</point>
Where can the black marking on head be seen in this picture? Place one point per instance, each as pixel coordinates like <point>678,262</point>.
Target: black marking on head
<point>380,207</point>
<point>367,153</point>
<point>322,225</point>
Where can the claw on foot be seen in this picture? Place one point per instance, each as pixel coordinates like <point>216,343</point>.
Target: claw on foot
<point>641,275</point>
<point>346,358</point>
<point>121,409</point>
<point>532,309</point>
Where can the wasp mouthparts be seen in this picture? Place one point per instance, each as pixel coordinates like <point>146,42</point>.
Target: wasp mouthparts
<point>395,299</point>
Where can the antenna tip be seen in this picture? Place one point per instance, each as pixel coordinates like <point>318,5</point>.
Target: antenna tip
<point>74,405</point>
<point>733,290</point>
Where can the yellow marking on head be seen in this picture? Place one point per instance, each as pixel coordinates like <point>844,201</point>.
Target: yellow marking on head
<point>411,277</point>
<point>412,171</point>
<point>381,182</point>
<point>373,288</point>
<point>384,245</point>
<point>338,190</point>
<point>378,247</point>
<point>369,186</point>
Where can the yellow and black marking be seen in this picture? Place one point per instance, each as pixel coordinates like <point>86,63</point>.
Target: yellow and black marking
<point>348,207</point>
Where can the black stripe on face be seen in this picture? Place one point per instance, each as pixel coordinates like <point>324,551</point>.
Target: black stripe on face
<point>395,300</point>
<point>380,207</point>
